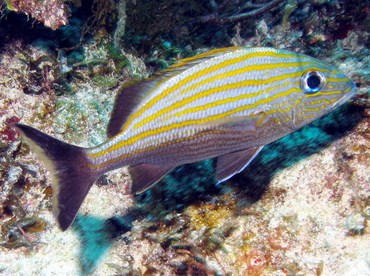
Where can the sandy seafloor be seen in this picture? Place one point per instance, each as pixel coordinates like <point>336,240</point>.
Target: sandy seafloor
<point>310,217</point>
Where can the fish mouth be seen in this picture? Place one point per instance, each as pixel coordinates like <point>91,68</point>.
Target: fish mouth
<point>350,92</point>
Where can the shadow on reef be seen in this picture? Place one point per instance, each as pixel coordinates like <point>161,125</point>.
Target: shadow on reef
<point>194,183</point>
<point>312,138</point>
<point>96,236</point>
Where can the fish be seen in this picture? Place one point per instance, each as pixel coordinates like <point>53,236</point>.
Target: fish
<point>226,104</point>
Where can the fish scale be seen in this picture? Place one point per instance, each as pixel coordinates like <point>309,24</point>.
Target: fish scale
<point>225,104</point>
<point>188,76</point>
<point>176,97</point>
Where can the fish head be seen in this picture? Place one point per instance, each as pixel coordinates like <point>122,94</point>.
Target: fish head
<point>321,89</point>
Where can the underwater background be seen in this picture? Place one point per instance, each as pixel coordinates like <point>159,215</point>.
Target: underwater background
<point>302,207</point>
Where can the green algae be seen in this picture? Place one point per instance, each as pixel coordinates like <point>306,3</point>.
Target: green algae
<point>75,113</point>
<point>105,82</point>
<point>289,8</point>
<point>120,61</point>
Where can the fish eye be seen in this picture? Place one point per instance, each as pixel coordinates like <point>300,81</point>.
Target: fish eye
<point>312,82</point>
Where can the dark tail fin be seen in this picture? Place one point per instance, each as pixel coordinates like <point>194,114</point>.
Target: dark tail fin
<point>71,176</point>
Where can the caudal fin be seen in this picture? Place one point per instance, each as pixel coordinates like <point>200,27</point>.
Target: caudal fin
<point>71,175</point>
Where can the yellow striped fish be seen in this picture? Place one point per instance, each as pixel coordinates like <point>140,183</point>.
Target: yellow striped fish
<point>226,103</point>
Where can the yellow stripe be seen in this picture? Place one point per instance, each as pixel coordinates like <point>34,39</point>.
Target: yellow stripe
<point>202,56</point>
<point>228,100</point>
<point>313,109</point>
<point>318,101</point>
<point>179,125</point>
<point>210,118</point>
<point>332,79</point>
<point>149,148</point>
<point>230,86</point>
<point>203,72</point>
<point>325,93</point>
<point>157,131</point>
<point>221,65</point>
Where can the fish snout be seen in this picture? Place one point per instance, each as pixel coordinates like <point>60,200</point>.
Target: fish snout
<point>348,92</point>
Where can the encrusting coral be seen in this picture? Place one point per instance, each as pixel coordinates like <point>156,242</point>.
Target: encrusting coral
<point>52,13</point>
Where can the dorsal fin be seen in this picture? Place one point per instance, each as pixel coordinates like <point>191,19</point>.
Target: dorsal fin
<point>186,63</point>
<point>130,95</point>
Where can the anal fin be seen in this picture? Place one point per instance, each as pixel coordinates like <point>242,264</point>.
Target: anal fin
<point>145,176</point>
<point>233,163</point>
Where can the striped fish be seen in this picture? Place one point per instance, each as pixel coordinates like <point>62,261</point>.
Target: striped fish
<point>226,103</point>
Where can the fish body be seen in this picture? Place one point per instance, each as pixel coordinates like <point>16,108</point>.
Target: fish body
<point>227,103</point>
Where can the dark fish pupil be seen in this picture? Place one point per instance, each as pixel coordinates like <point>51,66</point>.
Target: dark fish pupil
<point>313,81</point>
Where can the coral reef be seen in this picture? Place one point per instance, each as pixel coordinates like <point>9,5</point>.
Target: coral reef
<point>52,13</point>
<point>301,207</point>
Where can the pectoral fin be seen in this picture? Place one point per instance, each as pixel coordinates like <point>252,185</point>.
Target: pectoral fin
<point>249,123</point>
<point>233,163</point>
<point>145,176</point>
